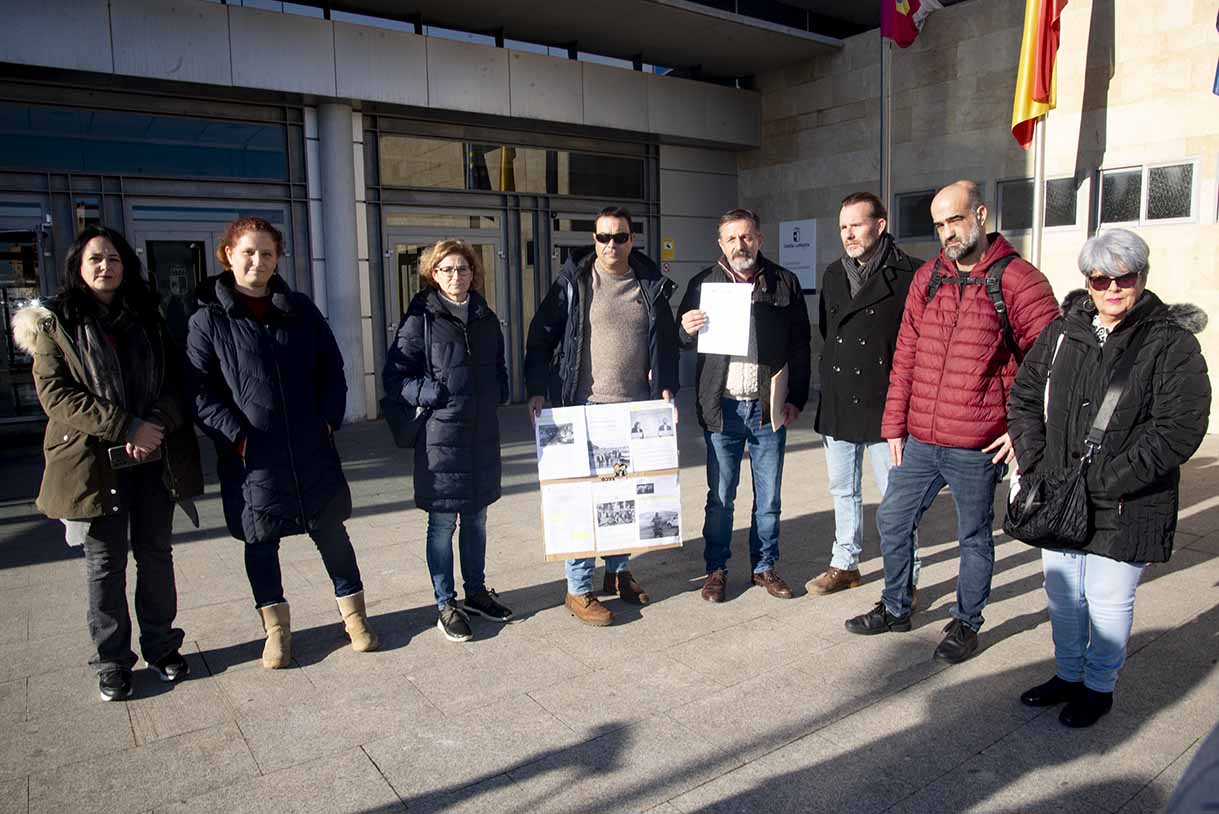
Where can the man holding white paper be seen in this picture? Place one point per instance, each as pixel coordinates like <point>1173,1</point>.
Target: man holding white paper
<point>747,398</point>
<point>603,335</point>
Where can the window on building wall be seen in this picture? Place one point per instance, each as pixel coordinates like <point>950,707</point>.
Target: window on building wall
<point>914,215</point>
<point>1121,193</point>
<point>1015,203</point>
<point>441,164</point>
<point>1170,192</point>
<point>44,138</point>
<point>1152,194</point>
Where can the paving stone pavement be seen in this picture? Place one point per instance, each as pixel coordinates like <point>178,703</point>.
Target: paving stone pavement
<point>757,704</point>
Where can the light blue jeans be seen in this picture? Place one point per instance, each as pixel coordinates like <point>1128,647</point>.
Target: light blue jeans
<point>471,550</point>
<point>1091,601</point>
<point>580,572</point>
<point>844,465</point>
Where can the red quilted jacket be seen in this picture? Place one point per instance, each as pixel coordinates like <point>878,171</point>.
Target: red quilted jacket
<point>951,369</point>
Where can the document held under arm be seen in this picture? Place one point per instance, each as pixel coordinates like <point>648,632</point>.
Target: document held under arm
<point>778,397</point>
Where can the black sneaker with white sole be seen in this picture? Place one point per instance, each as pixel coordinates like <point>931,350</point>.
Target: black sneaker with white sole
<point>171,668</point>
<point>454,624</point>
<point>487,605</point>
<point>114,685</point>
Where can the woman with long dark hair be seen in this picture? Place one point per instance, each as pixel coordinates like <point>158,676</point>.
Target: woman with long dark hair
<point>119,447</point>
<point>267,381</point>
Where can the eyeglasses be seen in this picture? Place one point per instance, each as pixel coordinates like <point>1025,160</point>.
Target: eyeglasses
<point>618,237</point>
<point>1100,282</point>
<point>453,271</point>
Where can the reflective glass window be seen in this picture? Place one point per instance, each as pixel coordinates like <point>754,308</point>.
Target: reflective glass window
<point>1170,192</point>
<point>1016,205</point>
<point>1060,202</point>
<point>53,138</point>
<point>914,215</point>
<point>1121,194</point>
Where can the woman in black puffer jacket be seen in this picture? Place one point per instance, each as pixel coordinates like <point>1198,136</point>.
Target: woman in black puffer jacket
<point>1133,478</point>
<point>268,386</point>
<point>448,356</point>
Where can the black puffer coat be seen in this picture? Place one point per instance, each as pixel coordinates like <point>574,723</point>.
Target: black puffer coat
<point>1158,424</point>
<point>278,386</point>
<point>457,460</point>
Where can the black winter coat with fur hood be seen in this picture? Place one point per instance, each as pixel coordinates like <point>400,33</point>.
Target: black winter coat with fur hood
<point>1159,422</point>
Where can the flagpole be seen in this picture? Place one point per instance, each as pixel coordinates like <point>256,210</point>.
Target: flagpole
<point>886,123</point>
<point>1038,189</point>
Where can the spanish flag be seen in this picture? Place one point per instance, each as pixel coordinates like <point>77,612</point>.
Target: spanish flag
<point>1036,79</point>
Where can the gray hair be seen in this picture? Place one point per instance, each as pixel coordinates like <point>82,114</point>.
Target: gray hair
<point>1115,252</point>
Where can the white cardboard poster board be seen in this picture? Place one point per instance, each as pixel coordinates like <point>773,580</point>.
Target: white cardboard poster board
<point>798,251</point>
<point>609,477</point>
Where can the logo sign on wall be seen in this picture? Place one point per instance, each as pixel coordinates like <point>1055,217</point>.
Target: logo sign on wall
<point>798,251</point>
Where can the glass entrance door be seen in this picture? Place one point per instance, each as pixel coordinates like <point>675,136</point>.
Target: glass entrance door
<point>175,269</point>
<point>20,252</point>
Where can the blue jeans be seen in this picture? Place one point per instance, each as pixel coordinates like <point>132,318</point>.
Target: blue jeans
<point>743,425</point>
<point>471,550</point>
<point>580,572</point>
<point>1091,601</point>
<point>971,477</point>
<point>844,465</point>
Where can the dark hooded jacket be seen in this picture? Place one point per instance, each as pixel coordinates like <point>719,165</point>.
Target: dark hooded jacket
<point>1159,422</point>
<point>457,457</point>
<point>552,350</point>
<point>78,481</point>
<point>279,387</point>
<point>783,333</point>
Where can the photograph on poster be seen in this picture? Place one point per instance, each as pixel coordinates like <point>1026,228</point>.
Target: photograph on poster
<point>609,436</point>
<point>658,507</point>
<point>561,437</point>
<point>556,434</point>
<point>659,525</point>
<point>652,423</point>
<point>615,513</point>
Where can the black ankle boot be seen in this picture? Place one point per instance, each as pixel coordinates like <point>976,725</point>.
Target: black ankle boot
<point>1088,708</point>
<point>1055,691</point>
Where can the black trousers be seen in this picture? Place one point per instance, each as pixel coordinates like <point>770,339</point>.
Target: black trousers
<point>143,523</point>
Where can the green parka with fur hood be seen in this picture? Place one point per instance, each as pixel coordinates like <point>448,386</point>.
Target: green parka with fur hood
<point>78,482</point>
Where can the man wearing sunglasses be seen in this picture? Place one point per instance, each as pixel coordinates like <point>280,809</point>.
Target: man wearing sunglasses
<point>603,335</point>
<point>734,394</point>
<point>945,415</point>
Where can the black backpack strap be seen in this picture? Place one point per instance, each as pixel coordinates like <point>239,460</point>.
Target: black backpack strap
<point>933,285</point>
<point>994,290</point>
<point>1121,376</point>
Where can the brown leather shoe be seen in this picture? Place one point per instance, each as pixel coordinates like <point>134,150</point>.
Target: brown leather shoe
<point>713,588</point>
<point>834,580</point>
<point>773,583</point>
<point>589,610</point>
<point>625,586</point>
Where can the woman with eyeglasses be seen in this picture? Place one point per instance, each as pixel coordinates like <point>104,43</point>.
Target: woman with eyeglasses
<point>1133,477</point>
<point>119,447</point>
<point>267,380</point>
<point>448,357</point>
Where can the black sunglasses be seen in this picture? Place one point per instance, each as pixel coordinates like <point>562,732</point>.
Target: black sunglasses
<point>1100,282</point>
<point>618,237</point>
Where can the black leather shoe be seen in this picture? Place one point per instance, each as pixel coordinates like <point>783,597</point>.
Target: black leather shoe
<point>878,620</point>
<point>1086,709</point>
<point>959,644</point>
<point>1055,691</point>
<point>114,685</point>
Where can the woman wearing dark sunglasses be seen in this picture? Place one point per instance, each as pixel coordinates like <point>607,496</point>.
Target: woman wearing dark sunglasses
<point>1159,422</point>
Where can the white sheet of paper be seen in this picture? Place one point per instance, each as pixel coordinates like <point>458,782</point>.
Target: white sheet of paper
<point>778,397</point>
<point>609,438</point>
<point>568,517</point>
<point>562,444</point>
<point>653,435</point>
<point>658,510</point>
<point>727,306</point>
<point>614,514</point>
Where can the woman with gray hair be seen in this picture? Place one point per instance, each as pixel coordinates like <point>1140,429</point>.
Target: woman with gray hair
<point>1160,418</point>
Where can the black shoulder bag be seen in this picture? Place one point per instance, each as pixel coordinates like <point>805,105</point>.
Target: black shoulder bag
<point>404,422</point>
<point>1051,509</point>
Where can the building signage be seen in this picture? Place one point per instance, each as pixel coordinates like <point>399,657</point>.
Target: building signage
<point>798,251</point>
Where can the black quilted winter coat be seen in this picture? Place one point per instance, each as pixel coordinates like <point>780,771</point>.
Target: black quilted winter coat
<point>280,387</point>
<point>457,459</point>
<point>1158,424</point>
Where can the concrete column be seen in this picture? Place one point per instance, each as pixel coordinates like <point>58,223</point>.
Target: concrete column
<point>339,236</point>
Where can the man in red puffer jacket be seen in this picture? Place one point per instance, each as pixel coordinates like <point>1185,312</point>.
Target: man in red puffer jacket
<point>946,410</point>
